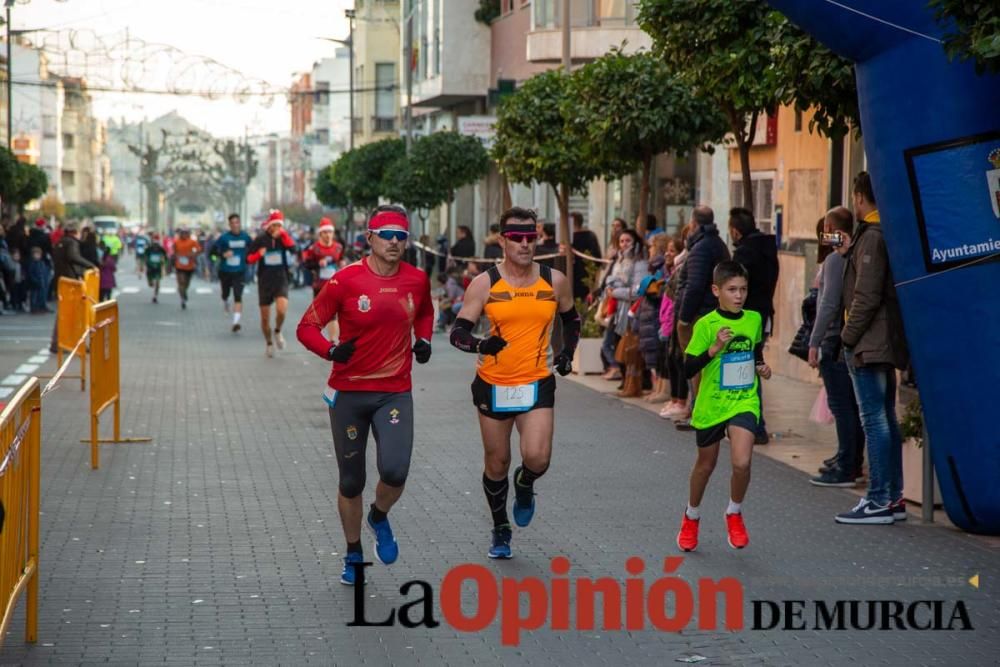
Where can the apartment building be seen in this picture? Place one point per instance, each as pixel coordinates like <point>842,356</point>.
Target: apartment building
<point>377,47</point>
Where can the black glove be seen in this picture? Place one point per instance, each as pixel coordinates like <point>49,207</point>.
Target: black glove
<point>563,363</point>
<point>422,351</point>
<point>341,353</point>
<point>491,345</point>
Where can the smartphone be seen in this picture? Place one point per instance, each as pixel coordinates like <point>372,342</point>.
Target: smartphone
<point>834,240</point>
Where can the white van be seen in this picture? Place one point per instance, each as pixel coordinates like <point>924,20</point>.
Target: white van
<point>107,224</point>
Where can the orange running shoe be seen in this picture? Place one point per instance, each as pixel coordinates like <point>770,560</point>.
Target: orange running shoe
<point>687,539</point>
<point>738,537</point>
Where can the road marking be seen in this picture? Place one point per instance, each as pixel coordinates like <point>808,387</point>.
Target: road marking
<point>6,391</point>
<point>168,290</point>
<point>14,380</point>
<point>26,369</point>
<point>44,352</point>
<point>131,290</point>
<point>38,359</point>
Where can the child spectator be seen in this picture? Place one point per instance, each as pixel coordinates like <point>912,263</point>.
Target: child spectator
<point>108,268</point>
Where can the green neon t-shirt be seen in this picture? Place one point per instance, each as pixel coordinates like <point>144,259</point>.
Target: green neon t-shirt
<point>729,381</point>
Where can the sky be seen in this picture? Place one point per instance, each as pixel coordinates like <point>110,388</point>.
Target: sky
<point>252,40</point>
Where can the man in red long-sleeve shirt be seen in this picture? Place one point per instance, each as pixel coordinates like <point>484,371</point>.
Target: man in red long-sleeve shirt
<point>270,252</point>
<point>381,303</point>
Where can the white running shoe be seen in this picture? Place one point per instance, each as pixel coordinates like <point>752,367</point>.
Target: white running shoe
<point>279,340</point>
<point>269,351</point>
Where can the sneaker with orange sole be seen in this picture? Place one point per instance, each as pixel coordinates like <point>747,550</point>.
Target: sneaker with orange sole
<point>738,537</point>
<point>687,539</point>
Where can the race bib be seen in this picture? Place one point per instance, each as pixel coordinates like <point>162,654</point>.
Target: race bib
<point>236,245</point>
<point>737,370</point>
<point>183,261</point>
<point>273,258</point>
<point>326,272</point>
<point>517,398</point>
<point>155,259</point>
<point>330,396</point>
<point>233,260</point>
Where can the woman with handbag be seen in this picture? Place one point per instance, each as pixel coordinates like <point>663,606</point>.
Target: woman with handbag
<point>623,285</point>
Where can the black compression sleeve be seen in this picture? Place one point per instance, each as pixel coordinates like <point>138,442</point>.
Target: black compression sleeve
<point>758,354</point>
<point>693,364</point>
<point>461,336</point>
<point>571,330</point>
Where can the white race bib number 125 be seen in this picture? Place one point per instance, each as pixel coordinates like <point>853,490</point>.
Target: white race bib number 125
<point>518,398</point>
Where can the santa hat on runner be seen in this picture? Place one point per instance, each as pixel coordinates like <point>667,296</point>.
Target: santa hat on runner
<point>394,217</point>
<point>276,217</point>
<point>325,225</point>
<point>40,222</point>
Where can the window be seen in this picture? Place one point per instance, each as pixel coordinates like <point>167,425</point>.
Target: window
<point>68,141</point>
<point>544,15</point>
<point>48,126</point>
<point>798,120</point>
<point>322,92</point>
<point>323,137</point>
<point>68,178</point>
<point>763,193</point>
<point>385,95</point>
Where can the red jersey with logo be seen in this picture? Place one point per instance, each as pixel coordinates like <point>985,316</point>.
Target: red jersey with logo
<point>333,253</point>
<point>383,313</point>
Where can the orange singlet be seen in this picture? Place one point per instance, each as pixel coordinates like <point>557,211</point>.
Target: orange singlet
<point>523,317</point>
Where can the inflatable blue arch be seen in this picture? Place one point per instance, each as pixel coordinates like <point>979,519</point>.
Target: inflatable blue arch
<point>932,137</point>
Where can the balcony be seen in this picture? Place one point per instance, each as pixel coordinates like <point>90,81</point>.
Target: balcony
<point>597,26</point>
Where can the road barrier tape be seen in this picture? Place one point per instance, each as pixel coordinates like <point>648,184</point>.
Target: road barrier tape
<point>497,260</point>
<point>69,358</point>
<point>11,456</point>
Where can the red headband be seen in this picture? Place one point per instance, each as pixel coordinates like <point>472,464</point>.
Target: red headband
<point>389,218</point>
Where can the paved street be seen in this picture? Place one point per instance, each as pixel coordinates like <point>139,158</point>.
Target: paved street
<point>219,542</point>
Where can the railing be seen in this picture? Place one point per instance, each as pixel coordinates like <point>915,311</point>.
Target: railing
<point>20,447</point>
<point>383,124</point>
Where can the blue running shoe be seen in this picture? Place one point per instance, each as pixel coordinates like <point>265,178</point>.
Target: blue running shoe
<point>524,502</point>
<point>347,577</point>
<point>386,549</point>
<point>501,543</point>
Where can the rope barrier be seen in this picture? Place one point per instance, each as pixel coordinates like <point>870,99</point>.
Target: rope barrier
<point>11,456</point>
<point>69,358</point>
<point>497,260</point>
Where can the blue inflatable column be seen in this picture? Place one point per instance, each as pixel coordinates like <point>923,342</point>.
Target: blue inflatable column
<point>932,137</point>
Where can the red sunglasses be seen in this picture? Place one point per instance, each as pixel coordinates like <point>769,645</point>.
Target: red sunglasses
<point>518,237</point>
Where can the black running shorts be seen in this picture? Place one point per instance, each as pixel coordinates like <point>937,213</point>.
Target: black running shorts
<point>482,397</point>
<point>390,417</point>
<point>714,434</point>
<point>231,281</point>
<point>271,288</point>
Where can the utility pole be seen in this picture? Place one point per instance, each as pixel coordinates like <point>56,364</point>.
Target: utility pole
<point>10,83</point>
<point>408,51</point>
<point>349,13</point>
<point>563,192</point>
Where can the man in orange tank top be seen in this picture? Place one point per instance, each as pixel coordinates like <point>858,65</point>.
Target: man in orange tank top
<point>514,384</point>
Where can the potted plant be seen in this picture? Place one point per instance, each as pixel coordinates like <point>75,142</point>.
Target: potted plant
<point>588,353</point>
<point>911,426</point>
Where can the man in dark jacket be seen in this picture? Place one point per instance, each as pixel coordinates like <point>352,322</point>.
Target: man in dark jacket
<point>874,347</point>
<point>465,246</point>
<point>584,241</point>
<point>705,249</point>
<point>758,253</point>
<point>68,263</point>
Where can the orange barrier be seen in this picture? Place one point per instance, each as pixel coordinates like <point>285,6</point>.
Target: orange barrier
<point>92,290</point>
<point>20,447</point>
<point>105,369</point>
<point>73,315</point>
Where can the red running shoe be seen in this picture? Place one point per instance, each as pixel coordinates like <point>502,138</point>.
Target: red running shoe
<point>687,539</point>
<point>738,537</point>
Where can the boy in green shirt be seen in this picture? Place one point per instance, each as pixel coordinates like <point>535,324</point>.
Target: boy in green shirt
<point>155,259</point>
<point>726,349</point>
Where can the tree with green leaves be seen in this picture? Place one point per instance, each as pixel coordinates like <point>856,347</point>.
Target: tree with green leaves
<point>972,30</point>
<point>749,59</point>
<point>30,183</point>
<point>537,141</point>
<point>437,166</point>
<point>633,107</point>
<point>326,191</point>
<point>359,173</point>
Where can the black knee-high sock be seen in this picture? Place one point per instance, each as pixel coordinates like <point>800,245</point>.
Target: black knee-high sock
<point>524,483</point>
<point>496,498</point>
